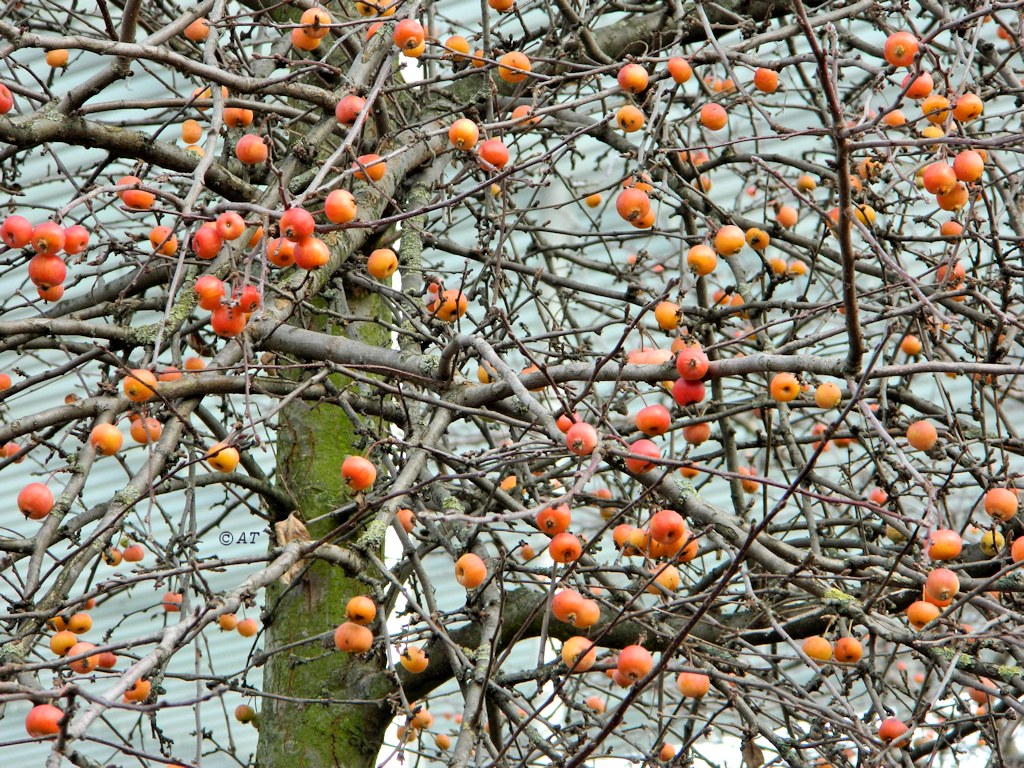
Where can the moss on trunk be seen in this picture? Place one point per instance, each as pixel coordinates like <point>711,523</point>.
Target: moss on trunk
<point>297,728</point>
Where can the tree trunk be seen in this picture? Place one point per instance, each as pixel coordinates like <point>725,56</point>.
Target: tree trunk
<point>323,707</point>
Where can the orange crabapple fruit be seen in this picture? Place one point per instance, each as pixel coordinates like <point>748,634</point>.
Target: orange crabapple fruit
<point>43,720</point>
<point>579,653</point>
<point>632,78</point>
<point>922,435</point>
<point>634,662</point>
<point>693,685</point>
<point>358,472</point>
<point>222,457</point>
<point>470,571</point>
<point>1000,503</point>
<point>352,638</point>
<point>900,49</point>
<point>643,450</point>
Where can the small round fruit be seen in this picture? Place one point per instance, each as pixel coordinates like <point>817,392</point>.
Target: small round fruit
<point>348,108</point>
<point>633,204</point>
<point>46,270</point>
<point>382,263</point>
<point>667,315</point>
<point>463,134</point>
<point>581,439</point>
<point>48,238</point>
<point>57,57</point>
<point>163,241</point>
<point>316,22</point>
<point>494,153</point>
<point>847,650</point>
<point>408,35</point>
<point>911,345</point>
<point>942,584</point>
<point>633,78</point>
<point>818,648</point>
<point>900,49</point>
<point>138,199</point>
<point>922,435</point>
<point>729,240</point>
<point>16,231</point>
<point>228,622</point>
<point>80,623</point>
<point>222,457</point>
<point>171,602</point>
<point>692,362</point>
<point>630,118</point>
<point>370,167</point>
<point>139,691</point>
<point>88,663</point>
<point>634,662</point>
<point>198,30</point>
<point>645,450</point>
<point>566,605</point>
<point>248,627</point>
<point>939,178</point>
<point>696,434</point>
<point>702,259</point>
<point>968,107</point>
<point>35,501</point>
<point>252,149</point>
<point>579,654</point>
<point>139,385</point>
<point>340,207</point>
<point>360,610</point>
<point>653,420</point>
<point>827,395</point>
<point>1017,549</point>
<point>470,571</point>
<point>968,166</point>
<point>297,224</point>
<point>353,638</point>
<point>43,720</point>
<point>514,67</point>
<point>667,527</point>
<point>693,685</point>
<point>713,117</point>
<point>935,109</point>
<point>565,548</point>
<point>106,439</point>
<point>587,614</point>
<point>554,519</point>
<point>920,613</point>
<point>112,556</point>
<point>63,641</point>
<point>892,729</point>
<point>227,321</point>
<point>944,544</point>
<point>679,69</point>
<point>359,473</point>
<point>766,80</point>
<point>407,519</point>
<point>991,543</point>
<point>785,387</point>
<point>414,660</point>
<point>76,239</point>
<point>1000,503</point>
<point>107,660</point>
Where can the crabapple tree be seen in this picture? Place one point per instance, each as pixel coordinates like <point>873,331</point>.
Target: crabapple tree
<point>604,380</point>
